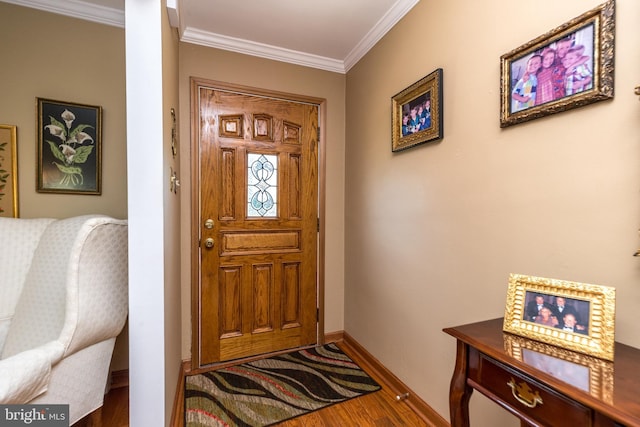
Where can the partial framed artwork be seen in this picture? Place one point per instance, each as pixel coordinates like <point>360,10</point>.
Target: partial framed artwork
<point>576,316</point>
<point>416,116</point>
<point>69,147</point>
<point>587,373</point>
<point>8,171</point>
<point>566,68</point>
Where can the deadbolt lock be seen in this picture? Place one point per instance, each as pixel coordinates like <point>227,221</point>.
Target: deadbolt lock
<point>208,224</point>
<point>208,243</point>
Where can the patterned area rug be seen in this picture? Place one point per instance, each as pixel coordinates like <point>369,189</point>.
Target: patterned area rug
<point>268,391</point>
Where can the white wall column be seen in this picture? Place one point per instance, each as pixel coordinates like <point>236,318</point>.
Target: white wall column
<point>143,34</point>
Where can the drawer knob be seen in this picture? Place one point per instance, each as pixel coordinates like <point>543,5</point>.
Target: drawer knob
<point>524,394</point>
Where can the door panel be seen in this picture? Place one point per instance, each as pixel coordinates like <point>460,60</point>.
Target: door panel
<point>258,255</point>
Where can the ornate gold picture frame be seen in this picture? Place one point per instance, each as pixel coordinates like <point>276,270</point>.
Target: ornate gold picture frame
<point>8,171</point>
<point>568,67</point>
<point>416,116</point>
<point>585,324</point>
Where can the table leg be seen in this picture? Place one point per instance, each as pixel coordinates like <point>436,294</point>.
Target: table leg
<point>459,391</point>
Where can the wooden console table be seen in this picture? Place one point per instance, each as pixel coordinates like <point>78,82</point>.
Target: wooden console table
<point>522,376</point>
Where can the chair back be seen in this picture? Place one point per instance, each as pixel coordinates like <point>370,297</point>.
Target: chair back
<point>76,284</point>
<point>19,239</point>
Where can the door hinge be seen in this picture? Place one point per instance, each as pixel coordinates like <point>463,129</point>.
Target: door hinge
<point>317,314</point>
<point>318,225</point>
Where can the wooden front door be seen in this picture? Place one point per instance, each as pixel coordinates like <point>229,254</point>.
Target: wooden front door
<point>258,196</point>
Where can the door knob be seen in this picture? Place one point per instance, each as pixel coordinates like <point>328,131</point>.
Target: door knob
<point>208,243</point>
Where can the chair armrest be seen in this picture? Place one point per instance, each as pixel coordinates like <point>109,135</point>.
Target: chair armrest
<point>26,375</point>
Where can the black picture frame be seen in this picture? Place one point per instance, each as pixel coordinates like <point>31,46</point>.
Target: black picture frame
<point>69,147</point>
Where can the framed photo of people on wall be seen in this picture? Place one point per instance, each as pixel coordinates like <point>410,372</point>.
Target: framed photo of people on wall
<point>568,67</point>
<point>416,115</point>
<point>575,316</point>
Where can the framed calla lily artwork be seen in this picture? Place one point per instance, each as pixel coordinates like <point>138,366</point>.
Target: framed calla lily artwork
<point>69,147</point>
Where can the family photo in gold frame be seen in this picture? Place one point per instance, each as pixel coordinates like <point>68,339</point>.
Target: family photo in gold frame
<point>568,67</point>
<point>416,116</point>
<point>586,322</point>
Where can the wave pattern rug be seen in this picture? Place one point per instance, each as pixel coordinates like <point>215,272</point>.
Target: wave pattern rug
<point>267,391</point>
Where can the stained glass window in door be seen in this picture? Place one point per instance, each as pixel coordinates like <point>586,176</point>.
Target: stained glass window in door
<point>262,188</point>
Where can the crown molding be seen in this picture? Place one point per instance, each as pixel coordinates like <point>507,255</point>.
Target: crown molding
<point>115,17</point>
<point>195,36</point>
<point>391,18</point>
<point>382,27</point>
<point>76,9</point>
<point>174,13</point>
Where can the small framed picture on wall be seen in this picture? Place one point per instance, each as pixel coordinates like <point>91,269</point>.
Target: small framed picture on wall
<point>69,147</point>
<point>416,116</point>
<point>8,171</point>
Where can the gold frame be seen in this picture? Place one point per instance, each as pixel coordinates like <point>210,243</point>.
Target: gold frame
<point>600,371</point>
<point>599,341</point>
<point>603,20</point>
<point>8,138</point>
<point>430,88</point>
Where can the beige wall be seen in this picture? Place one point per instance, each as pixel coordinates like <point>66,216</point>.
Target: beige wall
<point>432,233</point>
<point>50,56</point>
<point>219,65</point>
<point>172,208</point>
<point>65,59</point>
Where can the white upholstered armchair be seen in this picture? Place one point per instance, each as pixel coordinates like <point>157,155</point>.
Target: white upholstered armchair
<point>63,301</point>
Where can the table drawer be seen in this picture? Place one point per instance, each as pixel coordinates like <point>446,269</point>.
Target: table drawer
<point>529,397</point>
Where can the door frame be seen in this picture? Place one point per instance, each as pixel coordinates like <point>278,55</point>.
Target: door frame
<point>196,84</point>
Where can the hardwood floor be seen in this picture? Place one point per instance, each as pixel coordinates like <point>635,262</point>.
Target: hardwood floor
<point>379,409</point>
<point>114,412</point>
